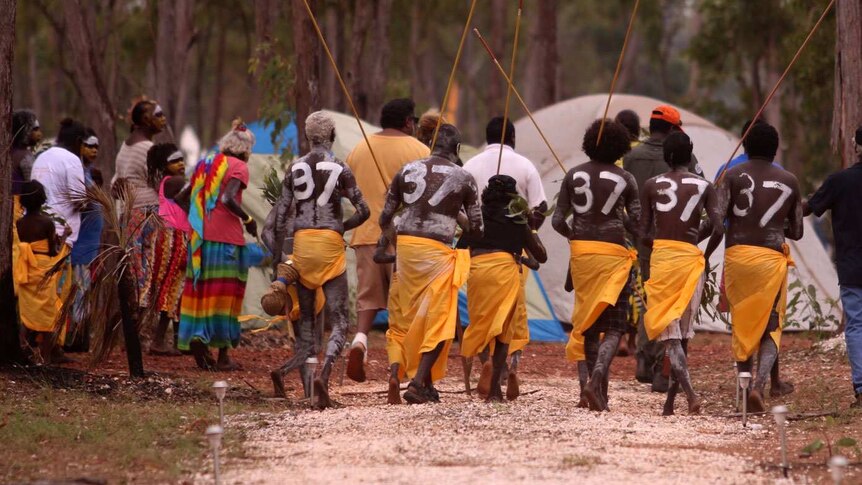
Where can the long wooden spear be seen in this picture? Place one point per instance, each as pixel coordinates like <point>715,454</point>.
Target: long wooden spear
<point>452,74</point>
<point>617,71</point>
<point>509,87</point>
<point>518,96</point>
<point>344,89</point>
<point>775,88</point>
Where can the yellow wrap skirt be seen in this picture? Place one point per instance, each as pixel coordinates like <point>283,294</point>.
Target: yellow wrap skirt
<point>675,270</point>
<point>429,276</point>
<point>40,298</point>
<point>493,291</point>
<point>319,256</point>
<point>756,284</point>
<point>600,272</point>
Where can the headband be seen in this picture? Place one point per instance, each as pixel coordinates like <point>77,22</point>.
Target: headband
<point>177,155</point>
<point>91,140</point>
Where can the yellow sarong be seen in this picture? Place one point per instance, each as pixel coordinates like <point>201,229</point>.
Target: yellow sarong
<point>319,256</point>
<point>754,276</point>
<point>397,328</point>
<point>492,301</point>
<point>40,298</point>
<point>429,276</point>
<point>600,271</point>
<point>521,333</point>
<point>675,269</point>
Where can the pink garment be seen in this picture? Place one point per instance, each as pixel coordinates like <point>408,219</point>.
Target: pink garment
<point>171,212</point>
<point>222,225</point>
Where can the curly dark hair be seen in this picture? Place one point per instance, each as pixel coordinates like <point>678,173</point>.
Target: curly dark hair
<point>677,149</point>
<point>499,191</point>
<point>23,122</point>
<point>615,142</point>
<point>394,113</point>
<point>762,141</point>
<point>33,196</point>
<point>157,162</point>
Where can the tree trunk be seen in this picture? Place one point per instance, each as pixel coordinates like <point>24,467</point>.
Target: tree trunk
<point>307,86</point>
<point>495,93</point>
<point>89,79</point>
<point>848,71</point>
<point>540,88</point>
<point>221,52</point>
<point>10,350</point>
<point>362,17</point>
<point>176,34</point>
<point>331,93</point>
<point>377,67</point>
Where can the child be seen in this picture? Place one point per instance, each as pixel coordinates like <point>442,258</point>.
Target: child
<point>166,174</point>
<point>40,295</point>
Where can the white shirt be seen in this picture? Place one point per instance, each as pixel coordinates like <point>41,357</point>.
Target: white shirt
<point>62,174</point>
<point>484,166</point>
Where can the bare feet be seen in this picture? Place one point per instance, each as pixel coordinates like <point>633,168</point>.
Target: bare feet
<point>484,386</point>
<point>394,393</point>
<point>668,408</point>
<point>416,394</point>
<point>783,388</point>
<point>321,395</point>
<point>755,402</point>
<point>583,402</point>
<point>593,393</point>
<point>202,355</point>
<point>277,384</point>
<point>694,405</point>
<point>356,362</point>
<point>496,393</point>
<point>513,386</point>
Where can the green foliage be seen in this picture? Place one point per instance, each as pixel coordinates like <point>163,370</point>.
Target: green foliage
<point>739,55</point>
<point>802,300</point>
<point>275,74</point>
<point>813,447</point>
<point>709,297</point>
<point>272,186</point>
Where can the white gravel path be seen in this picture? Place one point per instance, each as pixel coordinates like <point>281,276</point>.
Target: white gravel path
<point>541,437</point>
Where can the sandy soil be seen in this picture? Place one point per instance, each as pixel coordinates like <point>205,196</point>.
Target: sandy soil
<point>539,437</point>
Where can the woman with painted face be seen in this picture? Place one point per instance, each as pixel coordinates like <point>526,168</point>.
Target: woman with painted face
<point>148,120</point>
<point>26,134</point>
<point>166,173</point>
<point>86,248</point>
<point>218,259</point>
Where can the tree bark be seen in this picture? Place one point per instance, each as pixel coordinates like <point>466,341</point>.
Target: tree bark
<point>221,52</point>
<point>362,17</point>
<point>307,86</point>
<point>332,30</point>
<point>174,39</point>
<point>89,79</point>
<point>495,94</point>
<point>848,71</point>
<point>10,350</point>
<point>377,67</point>
<point>540,88</point>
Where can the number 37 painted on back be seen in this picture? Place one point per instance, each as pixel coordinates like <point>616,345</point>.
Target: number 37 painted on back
<point>586,191</point>
<point>748,193</point>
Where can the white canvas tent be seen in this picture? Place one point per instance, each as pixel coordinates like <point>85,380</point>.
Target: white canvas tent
<point>564,125</point>
<point>544,324</point>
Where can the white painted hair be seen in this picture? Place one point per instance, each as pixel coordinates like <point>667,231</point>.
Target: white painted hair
<point>318,128</point>
<point>238,140</point>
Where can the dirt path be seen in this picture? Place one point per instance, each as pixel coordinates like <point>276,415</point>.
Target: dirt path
<point>540,437</point>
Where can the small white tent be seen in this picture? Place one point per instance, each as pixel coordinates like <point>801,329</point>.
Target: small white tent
<point>564,125</point>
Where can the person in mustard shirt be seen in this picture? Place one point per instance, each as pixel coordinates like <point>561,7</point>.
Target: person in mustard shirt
<point>394,146</point>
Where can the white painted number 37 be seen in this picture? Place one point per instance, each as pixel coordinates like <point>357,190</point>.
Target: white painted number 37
<point>748,193</point>
<point>587,192</point>
<point>302,177</point>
